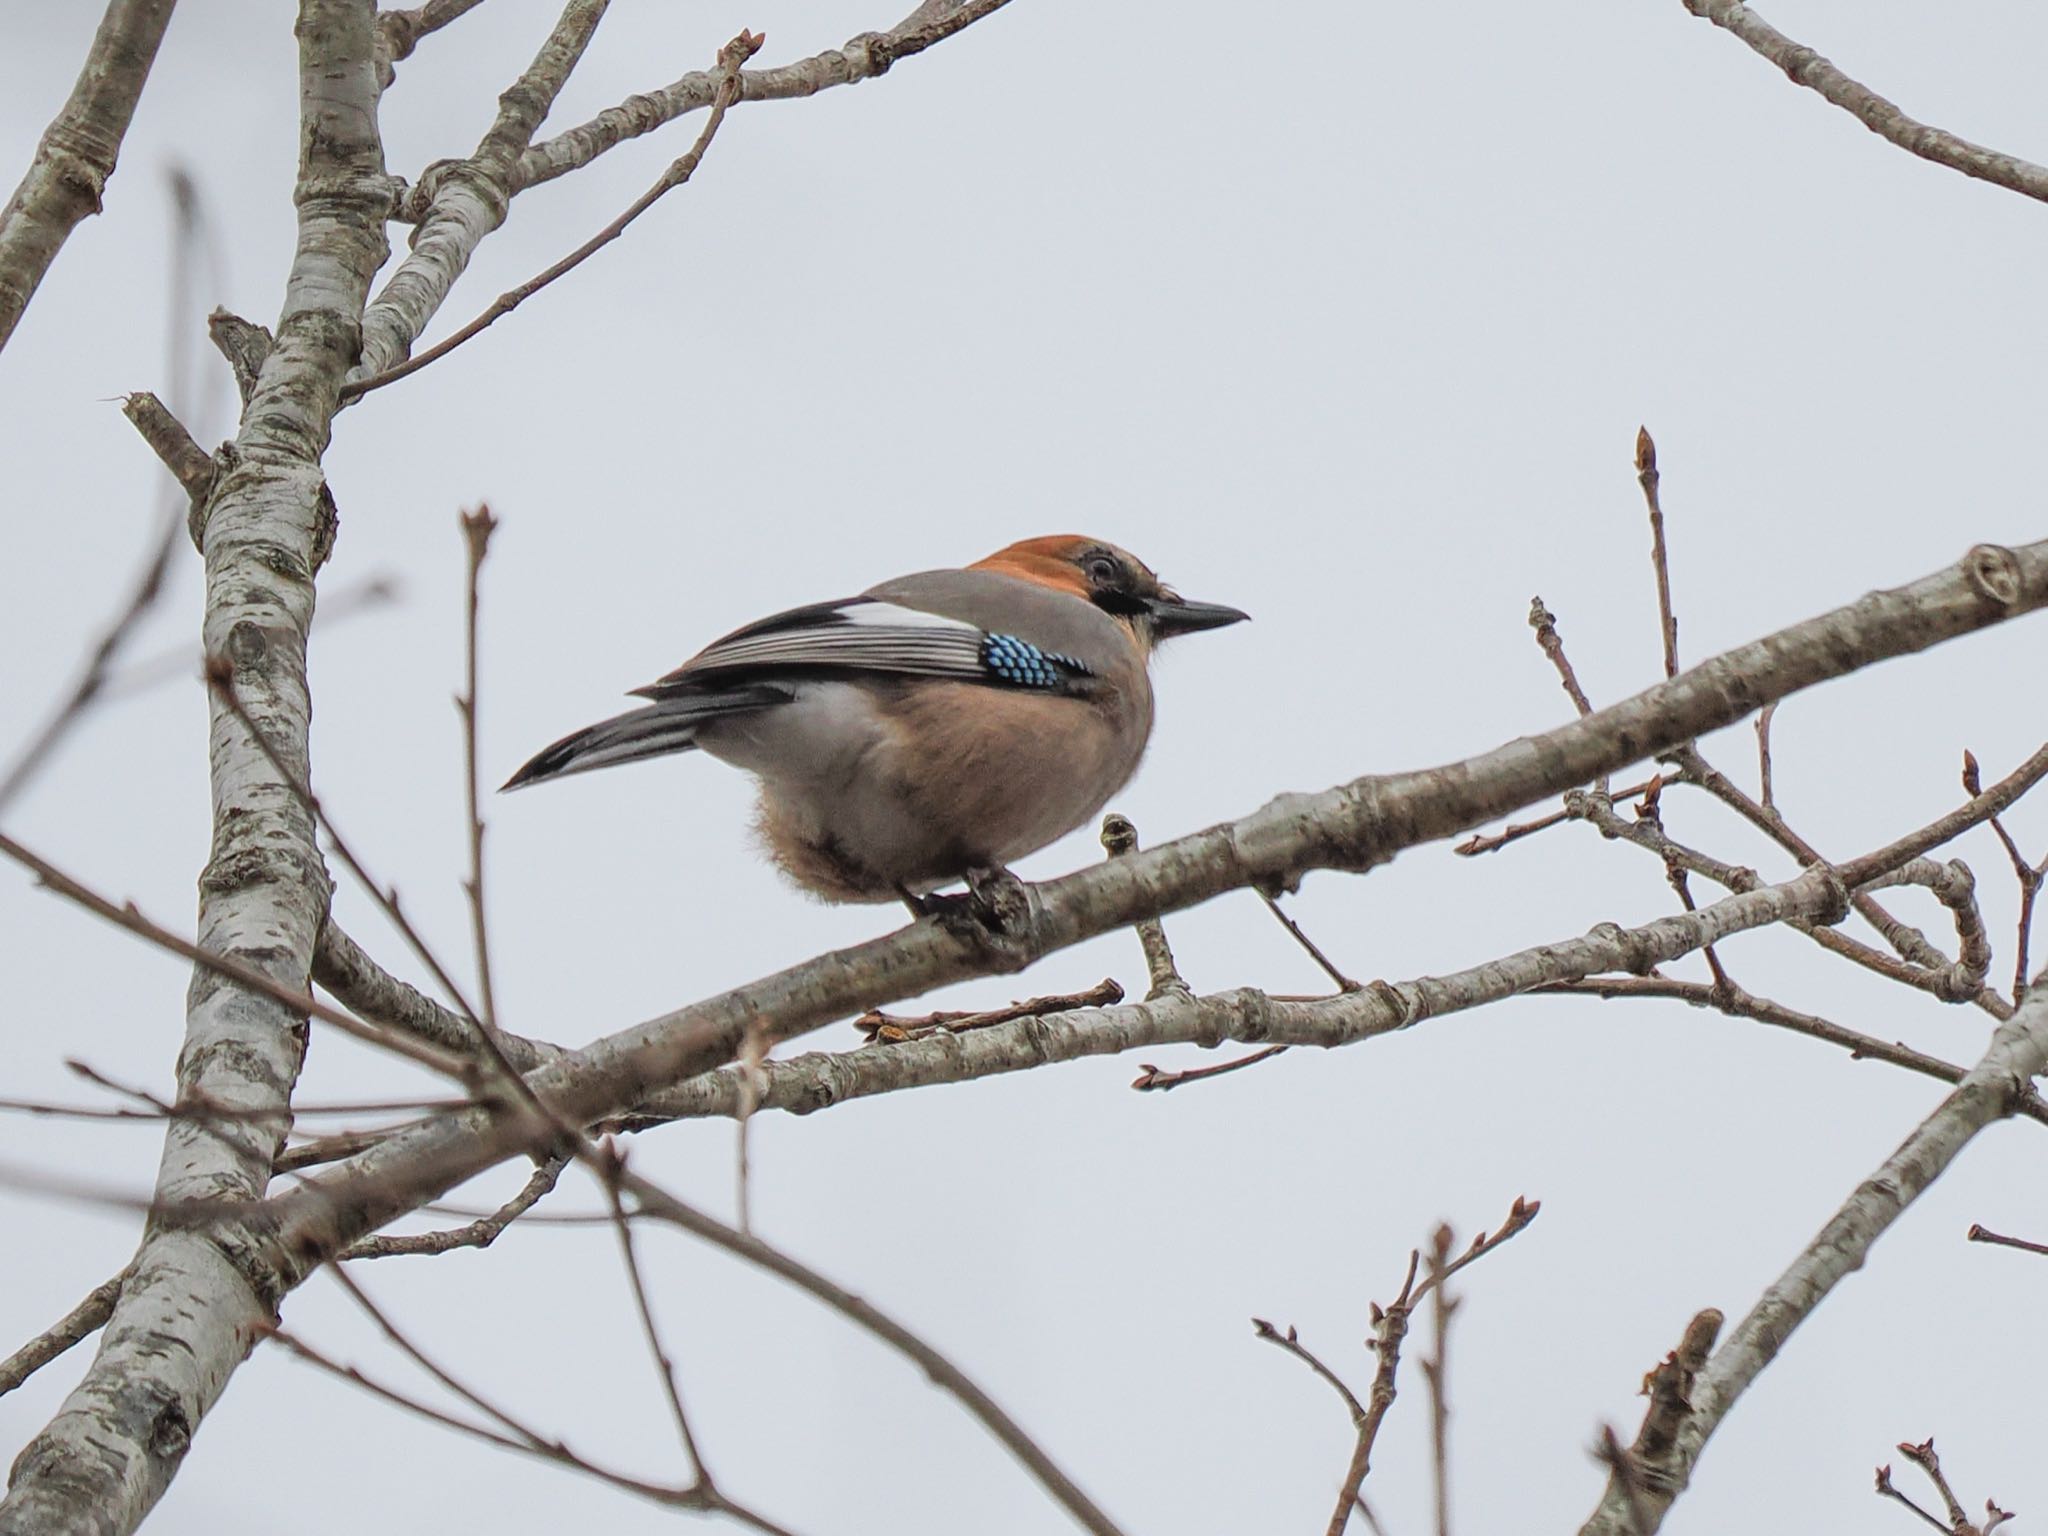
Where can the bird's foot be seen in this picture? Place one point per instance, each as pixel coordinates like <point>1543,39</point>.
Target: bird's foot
<point>995,902</point>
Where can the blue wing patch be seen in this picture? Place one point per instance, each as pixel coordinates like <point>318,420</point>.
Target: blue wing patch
<point>1023,665</point>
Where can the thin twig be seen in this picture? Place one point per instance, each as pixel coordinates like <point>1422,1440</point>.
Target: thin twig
<point>948,1377</point>
<point>1660,560</point>
<point>1329,968</point>
<point>2029,875</point>
<point>1390,1327</point>
<point>896,1028</point>
<point>80,1323</point>
<point>1120,839</point>
<point>1433,1371</point>
<point>1886,1490</point>
<point>1151,1079</point>
<point>525,1441</point>
<point>614,1160</point>
<point>1923,1457</point>
<point>1983,1234</point>
<point>1765,795</point>
<point>1290,1341</point>
<point>220,677</point>
<point>1736,1003</point>
<point>730,58</point>
<point>477,528</point>
<point>1544,622</point>
<point>129,917</point>
<point>1514,832</point>
<point>480,1233</point>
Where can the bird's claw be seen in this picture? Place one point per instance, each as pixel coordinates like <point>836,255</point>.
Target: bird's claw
<point>994,902</point>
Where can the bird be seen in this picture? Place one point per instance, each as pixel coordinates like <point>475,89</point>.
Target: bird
<point>934,728</point>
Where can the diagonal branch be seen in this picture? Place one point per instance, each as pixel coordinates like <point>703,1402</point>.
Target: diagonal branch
<point>1803,66</point>
<point>729,59</point>
<point>68,176</point>
<point>1991,1091</point>
<point>467,199</point>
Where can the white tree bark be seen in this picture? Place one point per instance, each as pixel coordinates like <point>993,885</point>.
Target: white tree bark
<point>191,1310</point>
<point>68,176</point>
<point>1992,1090</point>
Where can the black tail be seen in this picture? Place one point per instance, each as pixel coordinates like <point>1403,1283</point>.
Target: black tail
<point>655,731</point>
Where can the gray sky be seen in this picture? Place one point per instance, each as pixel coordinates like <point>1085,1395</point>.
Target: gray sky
<point>1346,315</point>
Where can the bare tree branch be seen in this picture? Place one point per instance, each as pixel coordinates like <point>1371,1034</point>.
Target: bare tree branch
<point>464,200</point>
<point>114,1445</point>
<point>730,57</point>
<point>1805,67</point>
<point>68,177</point>
<point>80,1323</point>
<point>1991,1091</point>
<point>862,58</point>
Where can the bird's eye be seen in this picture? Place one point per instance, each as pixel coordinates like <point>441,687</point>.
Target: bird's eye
<point>1104,571</point>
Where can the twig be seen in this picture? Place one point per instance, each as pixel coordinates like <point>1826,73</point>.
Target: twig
<point>613,1162</point>
<point>1390,1327</point>
<point>1983,1234</point>
<point>127,916</point>
<point>1805,67</point>
<point>1544,622</point>
<point>1329,968</point>
<point>80,1323</point>
<point>730,58</point>
<point>945,1375</point>
<point>220,677</point>
<point>1736,1003</point>
<point>1433,1371</point>
<point>1514,832</point>
<point>895,1028</point>
<point>1886,1490</point>
<point>1119,839</point>
<point>2030,877</point>
<point>1290,1341</point>
<point>1765,796</point>
<point>1923,1457</point>
<point>480,1233</point>
<point>92,677</point>
<point>1660,560</point>
<point>1151,1079</point>
<point>477,528</point>
<point>516,1436</point>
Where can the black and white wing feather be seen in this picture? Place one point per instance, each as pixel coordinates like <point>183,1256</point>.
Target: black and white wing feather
<point>866,634</point>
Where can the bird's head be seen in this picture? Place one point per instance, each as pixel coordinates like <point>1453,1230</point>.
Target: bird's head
<point>1114,580</point>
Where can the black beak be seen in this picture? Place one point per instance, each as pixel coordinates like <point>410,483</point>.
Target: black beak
<point>1172,615</point>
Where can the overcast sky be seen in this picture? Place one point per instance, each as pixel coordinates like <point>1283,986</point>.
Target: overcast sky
<point>1345,314</point>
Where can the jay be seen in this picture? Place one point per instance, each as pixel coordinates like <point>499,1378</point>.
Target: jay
<point>936,726</point>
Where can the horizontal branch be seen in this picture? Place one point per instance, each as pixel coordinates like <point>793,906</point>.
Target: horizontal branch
<point>1355,826</point>
<point>862,58</point>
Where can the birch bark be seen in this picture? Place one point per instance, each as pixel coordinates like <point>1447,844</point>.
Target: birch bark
<point>193,1307</point>
<point>72,164</point>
